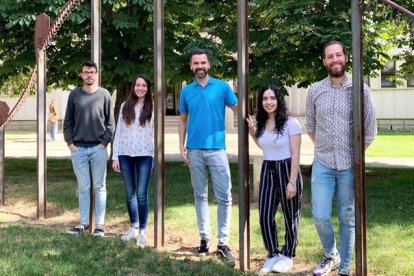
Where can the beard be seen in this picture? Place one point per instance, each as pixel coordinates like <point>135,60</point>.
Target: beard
<point>89,81</point>
<point>200,73</point>
<point>336,73</point>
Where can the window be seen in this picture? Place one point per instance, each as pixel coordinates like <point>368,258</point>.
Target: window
<point>388,74</point>
<point>366,80</point>
<point>410,79</point>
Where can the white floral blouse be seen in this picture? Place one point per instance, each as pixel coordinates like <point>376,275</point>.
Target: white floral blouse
<point>133,140</point>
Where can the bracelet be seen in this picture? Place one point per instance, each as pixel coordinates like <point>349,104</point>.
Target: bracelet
<point>292,183</point>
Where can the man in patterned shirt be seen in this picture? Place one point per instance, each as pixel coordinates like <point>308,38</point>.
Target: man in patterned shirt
<point>329,124</point>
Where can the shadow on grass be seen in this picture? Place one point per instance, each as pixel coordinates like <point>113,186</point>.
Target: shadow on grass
<point>32,250</point>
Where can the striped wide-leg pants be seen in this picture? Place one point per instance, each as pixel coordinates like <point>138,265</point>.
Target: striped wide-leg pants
<point>273,181</point>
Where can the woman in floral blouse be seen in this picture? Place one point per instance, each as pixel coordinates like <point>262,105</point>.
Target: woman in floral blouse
<point>133,154</point>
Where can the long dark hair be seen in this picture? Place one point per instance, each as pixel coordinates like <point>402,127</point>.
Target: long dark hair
<point>128,111</point>
<point>281,115</point>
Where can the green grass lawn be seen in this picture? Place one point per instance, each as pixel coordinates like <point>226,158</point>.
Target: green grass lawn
<point>31,247</point>
<point>392,144</point>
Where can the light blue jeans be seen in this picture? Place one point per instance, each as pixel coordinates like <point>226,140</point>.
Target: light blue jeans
<point>216,161</point>
<point>325,183</point>
<point>136,173</point>
<point>94,158</point>
<point>53,131</point>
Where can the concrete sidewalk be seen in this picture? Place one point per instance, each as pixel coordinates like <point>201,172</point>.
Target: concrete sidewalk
<point>23,145</point>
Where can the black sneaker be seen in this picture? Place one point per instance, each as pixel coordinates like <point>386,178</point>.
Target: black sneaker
<point>99,231</point>
<point>78,229</point>
<point>225,253</point>
<point>204,246</point>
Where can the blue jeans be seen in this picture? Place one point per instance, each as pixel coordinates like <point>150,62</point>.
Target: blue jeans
<point>136,173</point>
<point>325,182</point>
<point>216,161</point>
<point>94,157</point>
<point>53,131</point>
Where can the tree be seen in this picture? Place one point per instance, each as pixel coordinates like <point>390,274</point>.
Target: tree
<point>127,42</point>
<point>285,39</point>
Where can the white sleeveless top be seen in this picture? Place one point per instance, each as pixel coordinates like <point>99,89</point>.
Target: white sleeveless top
<point>275,146</point>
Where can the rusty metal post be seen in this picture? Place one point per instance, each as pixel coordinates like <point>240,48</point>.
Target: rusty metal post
<point>41,30</point>
<point>399,8</point>
<point>243,149</point>
<point>359,154</point>
<point>96,38</point>
<point>2,161</point>
<point>96,35</point>
<point>4,112</point>
<point>159,123</point>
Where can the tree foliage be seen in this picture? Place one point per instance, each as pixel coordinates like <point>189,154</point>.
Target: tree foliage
<point>286,39</point>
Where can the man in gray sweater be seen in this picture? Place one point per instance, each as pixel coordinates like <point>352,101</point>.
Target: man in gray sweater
<point>88,128</point>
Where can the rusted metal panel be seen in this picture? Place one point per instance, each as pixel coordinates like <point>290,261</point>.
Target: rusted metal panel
<point>4,112</point>
<point>42,27</point>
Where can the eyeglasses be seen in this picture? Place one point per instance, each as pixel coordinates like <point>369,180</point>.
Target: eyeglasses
<point>88,73</point>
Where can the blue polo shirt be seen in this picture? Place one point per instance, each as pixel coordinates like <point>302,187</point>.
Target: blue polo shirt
<point>205,107</point>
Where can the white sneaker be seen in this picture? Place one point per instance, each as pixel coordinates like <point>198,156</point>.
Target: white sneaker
<point>344,272</point>
<point>131,234</point>
<point>268,264</point>
<point>283,264</point>
<point>326,265</point>
<point>141,240</point>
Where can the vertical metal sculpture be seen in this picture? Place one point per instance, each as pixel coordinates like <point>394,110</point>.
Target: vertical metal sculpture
<point>96,38</point>
<point>159,122</point>
<point>41,31</point>
<point>2,183</point>
<point>96,35</point>
<point>358,119</point>
<point>4,112</point>
<point>243,149</point>
<point>359,143</point>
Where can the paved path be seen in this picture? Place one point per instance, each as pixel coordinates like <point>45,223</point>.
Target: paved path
<point>23,145</point>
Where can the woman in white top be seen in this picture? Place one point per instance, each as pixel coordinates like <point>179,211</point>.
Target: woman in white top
<point>133,154</point>
<point>279,136</point>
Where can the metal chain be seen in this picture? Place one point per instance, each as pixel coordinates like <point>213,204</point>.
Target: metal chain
<point>54,29</point>
<point>64,14</point>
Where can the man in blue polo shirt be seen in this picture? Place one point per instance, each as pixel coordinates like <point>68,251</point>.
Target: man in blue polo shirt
<point>202,118</point>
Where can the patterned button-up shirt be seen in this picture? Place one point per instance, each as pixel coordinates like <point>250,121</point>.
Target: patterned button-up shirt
<point>329,116</point>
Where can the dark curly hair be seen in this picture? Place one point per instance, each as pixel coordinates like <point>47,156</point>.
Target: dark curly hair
<point>128,111</point>
<point>281,115</point>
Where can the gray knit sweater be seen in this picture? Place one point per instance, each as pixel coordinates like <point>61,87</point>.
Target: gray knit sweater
<point>89,119</point>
